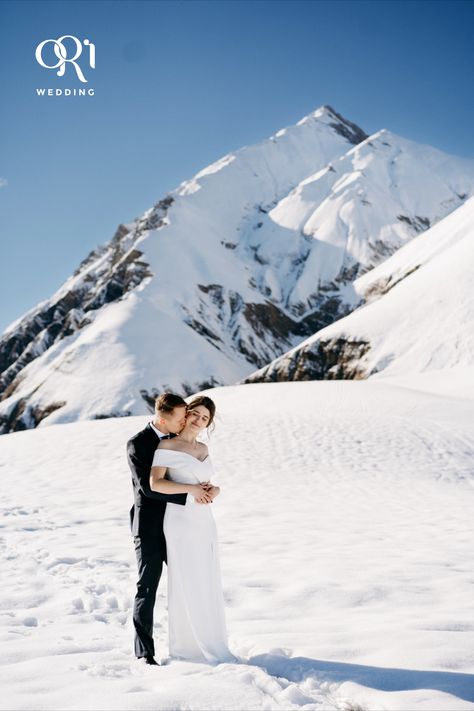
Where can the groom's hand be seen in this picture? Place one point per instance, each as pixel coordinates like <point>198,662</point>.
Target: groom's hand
<point>202,500</point>
<point>202,495</point>
<point>211,490</point>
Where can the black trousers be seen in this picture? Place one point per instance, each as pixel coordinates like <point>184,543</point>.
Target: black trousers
<point>151,554</point>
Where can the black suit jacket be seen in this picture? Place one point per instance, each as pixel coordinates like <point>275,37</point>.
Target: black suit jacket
<point>146,515</point>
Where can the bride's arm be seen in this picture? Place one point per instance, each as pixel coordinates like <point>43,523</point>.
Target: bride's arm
<point>165,486</point>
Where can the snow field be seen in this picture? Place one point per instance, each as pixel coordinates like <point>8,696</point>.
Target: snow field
<point>345,539</point>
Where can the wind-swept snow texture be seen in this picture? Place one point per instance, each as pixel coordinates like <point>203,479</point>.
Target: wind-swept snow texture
<point>345,525</point>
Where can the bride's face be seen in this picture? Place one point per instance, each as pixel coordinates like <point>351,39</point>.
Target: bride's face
<point>197,419</point>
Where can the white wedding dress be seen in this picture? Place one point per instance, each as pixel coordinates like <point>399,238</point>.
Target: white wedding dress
<point>196,619</point>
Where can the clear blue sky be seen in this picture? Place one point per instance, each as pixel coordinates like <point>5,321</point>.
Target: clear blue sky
<point>179,84</point>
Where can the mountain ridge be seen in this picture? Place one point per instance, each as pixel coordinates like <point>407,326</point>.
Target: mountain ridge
<point>222,272</point>
<point>416,316</point>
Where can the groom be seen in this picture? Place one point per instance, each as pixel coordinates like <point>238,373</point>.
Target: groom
<point>147,513</point>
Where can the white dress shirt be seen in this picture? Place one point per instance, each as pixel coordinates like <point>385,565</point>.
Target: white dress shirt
<point>160,434</point>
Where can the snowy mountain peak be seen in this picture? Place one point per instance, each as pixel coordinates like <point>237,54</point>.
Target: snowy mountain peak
<point>312,142</point>
<point>239,264</point>
<point>330,117</point>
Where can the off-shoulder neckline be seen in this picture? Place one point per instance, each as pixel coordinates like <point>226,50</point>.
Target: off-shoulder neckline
<point>181,451</point>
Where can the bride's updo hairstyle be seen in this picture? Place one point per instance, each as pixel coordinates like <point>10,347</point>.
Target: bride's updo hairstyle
<point>208,404</point>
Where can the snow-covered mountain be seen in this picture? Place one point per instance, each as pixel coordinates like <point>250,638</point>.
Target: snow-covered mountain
<point>417,316</point>
<point>232,269</point>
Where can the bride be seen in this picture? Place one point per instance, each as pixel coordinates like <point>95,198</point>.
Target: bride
<point>196,620</point>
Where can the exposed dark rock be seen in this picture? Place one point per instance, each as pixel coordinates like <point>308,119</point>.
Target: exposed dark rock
<point>277,329</point>
<point>420,224</point>
<point>13,421</point>
<point>258,258</point>
<point>268,318</point>
<point>236,302</point>
<point>353,133</point>
<point>348,273</point>
<point>120,233</point>
<point>382,286</point>
<point>149,396</point>
<point>11,388</point>
<point>123,413</point>
<point>125,275</point>
<point>51,323</point>
<point>423,221</point>
<point>155,218</point>
<point>215,290</point>
<point>335,359</point>
<point>41,414</point>
<point>24,416</point>
<point>203,330</point>
<point>91,257</point>
<point>190,389</point>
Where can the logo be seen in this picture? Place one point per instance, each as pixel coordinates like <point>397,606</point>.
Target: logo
<point>61,52</point>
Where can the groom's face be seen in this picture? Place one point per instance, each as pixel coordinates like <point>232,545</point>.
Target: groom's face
<point>173,421</point>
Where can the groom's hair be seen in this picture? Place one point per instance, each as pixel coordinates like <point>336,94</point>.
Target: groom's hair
<point>167,402</point>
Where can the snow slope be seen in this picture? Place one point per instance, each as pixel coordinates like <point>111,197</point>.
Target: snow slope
<point>235,267</point>
<point>346,545</point>
<point>417,324</point>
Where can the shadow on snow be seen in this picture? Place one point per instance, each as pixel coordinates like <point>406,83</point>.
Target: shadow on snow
<point>297,669</point>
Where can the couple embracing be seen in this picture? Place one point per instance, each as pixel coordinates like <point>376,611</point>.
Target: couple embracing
<point>172,522</point>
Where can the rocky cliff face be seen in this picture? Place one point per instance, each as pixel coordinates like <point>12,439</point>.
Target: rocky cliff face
<point>336,358</point>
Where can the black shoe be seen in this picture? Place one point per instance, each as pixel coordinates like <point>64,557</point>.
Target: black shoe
<point>149,660</point>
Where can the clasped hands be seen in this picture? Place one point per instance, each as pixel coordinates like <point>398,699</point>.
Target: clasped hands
<point>205,492</point>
